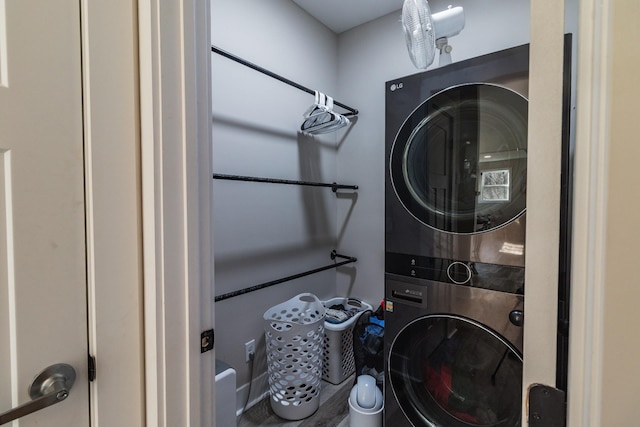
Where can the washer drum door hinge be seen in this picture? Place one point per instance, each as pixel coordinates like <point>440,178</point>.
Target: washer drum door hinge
<point>92,368</point>
<point>547,406</point>
<point>206,341</point>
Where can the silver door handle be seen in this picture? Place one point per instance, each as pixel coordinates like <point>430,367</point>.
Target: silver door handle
<point>51,386</point>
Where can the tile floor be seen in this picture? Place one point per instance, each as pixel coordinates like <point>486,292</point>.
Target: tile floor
<point>333,411</point>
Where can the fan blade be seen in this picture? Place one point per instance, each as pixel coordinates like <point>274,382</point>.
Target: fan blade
<point>418,31</point>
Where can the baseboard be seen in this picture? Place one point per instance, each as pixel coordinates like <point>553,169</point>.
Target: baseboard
<point>259,390</point>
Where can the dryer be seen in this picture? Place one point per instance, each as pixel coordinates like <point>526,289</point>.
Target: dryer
<point>456,151</point>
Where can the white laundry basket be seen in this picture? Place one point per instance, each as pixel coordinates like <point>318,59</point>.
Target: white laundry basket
<point>337,359</point>
<point>294,332</point>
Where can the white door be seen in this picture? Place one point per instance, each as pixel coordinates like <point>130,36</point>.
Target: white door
<point>43,298</point>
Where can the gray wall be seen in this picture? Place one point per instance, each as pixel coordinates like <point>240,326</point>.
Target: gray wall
<point>267,231</point>
<point>264,231</point>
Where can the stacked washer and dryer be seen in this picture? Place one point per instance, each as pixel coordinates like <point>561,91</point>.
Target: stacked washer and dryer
<point>456,146</point>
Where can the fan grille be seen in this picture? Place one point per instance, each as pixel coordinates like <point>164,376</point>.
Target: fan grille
<point>418,32</point>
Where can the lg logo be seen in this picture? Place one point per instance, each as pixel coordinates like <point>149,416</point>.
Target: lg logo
<point>396,86</point>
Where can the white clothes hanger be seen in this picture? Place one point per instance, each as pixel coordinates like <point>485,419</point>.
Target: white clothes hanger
<point>320,117</point>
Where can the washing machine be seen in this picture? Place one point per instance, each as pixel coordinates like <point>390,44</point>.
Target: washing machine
<point>453,352</point>
<point>456,152</point>
<point>456,157</point>
<point>455,202</point>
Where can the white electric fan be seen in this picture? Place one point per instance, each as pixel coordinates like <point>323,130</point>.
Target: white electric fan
<point>424,32</point>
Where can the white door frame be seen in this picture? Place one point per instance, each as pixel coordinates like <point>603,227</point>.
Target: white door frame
<point>594,137</point>
<point>543,194</point>
<point>148,179</point>
<point>176,159</point>
<point>113,210</point>
<point>175,115</point>
<point>590,204</point>
<point>598,25</point>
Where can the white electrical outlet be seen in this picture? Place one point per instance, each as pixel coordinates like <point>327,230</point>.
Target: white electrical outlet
<point>249,350</point>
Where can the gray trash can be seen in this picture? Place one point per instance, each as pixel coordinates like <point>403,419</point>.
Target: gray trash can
<point>365,403</point>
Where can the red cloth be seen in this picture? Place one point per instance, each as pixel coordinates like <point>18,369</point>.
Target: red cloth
<point>438,383</point>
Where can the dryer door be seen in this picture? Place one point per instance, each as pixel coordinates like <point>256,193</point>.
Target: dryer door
<point>459,162</point>
<point>447,370</point>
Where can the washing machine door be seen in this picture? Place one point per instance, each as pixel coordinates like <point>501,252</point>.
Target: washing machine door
<point>459,162</point>
<point>449,371</point>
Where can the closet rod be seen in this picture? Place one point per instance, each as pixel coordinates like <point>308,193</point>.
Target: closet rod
<point>353,111</point>
<point>334,187</point>
<point>334,255</point>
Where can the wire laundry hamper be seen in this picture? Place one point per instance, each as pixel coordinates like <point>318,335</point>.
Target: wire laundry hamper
<point>294,332</point>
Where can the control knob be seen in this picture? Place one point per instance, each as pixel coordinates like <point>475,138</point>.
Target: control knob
<point>517,317</point>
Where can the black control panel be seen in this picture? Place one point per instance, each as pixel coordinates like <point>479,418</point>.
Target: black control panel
<point>501,278</point>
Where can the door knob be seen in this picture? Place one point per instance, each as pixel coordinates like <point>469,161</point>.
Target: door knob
<point>50,386</point>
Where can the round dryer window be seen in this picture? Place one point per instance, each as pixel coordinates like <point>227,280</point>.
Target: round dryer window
<point>450,371</point>
<point>459,162</point>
